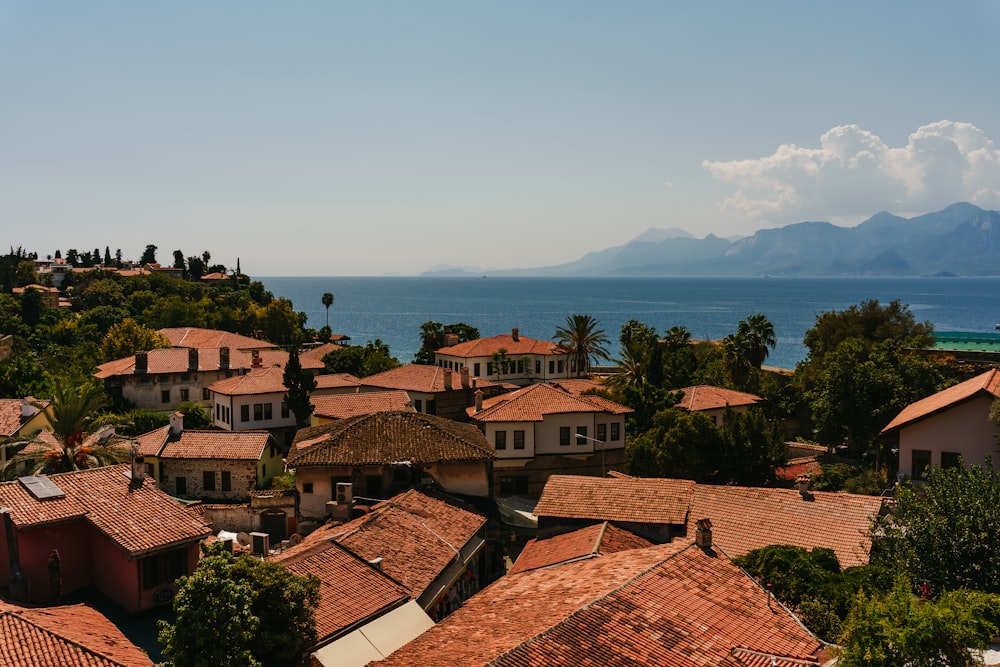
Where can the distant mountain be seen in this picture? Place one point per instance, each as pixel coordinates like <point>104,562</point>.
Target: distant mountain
<point>961,240</point>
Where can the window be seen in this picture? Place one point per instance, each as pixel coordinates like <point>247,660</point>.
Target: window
<point>218,411</point>
<point>560,366</point>
<point>258,412</point>
<point>564,435</point>
<point>244,413</point>
<point>520,366</point>
<point>267,411</point>
<point>184,395</point>
<point>538,366</point>
<point>475,369</point>
<point>418,405</point>
<point>616,431</point>
<point>489,368</point>
<point>950,459</point>
<point>500,439</point>
<point>518,439</point>
<point>182,485</point>
<point>431,407</point>
<point>581,430</point>
<point>208,480</point>
<point>921,461</point>
<point>307,487</point>
<point>285,413</point>
<point>552,367</point>
<point>602,432</point>
<point>227,481</point>
<point>513,486</point>
<point>205,394</point>
<point>165,396</point>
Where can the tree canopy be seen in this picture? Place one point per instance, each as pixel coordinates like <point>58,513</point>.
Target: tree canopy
<point>584,340</point>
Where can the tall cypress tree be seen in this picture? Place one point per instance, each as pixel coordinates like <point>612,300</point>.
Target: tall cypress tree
<point>299,383</point>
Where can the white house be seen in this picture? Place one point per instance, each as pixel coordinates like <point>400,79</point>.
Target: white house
<point>527,360</point>
<point>252,402</point>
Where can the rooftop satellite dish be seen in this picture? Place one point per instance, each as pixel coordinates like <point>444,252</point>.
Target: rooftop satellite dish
<point>243,539</point>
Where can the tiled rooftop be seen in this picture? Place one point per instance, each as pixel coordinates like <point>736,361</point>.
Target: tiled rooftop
<point>672,604</point>
<point>194,444</point>
<point>175,360</point>
<point>139,519</point>
<point>384,437</point>
<point>534,402</point>
<point>987,384</point>
<point>485,347</point>
<point>342,406</point>
<point>416,377</point>
<point>634,500</point>
<point>10,414</point>
<point>577,386</point>
<point>337,381</point>
<point>588,542</point>
<point>203,338</point>
<point>314,355</point>
<point>64,635</point>
<point>707,397</point>
<point>265,381</point>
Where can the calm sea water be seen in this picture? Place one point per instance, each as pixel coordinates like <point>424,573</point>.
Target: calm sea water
<point>392,308</point>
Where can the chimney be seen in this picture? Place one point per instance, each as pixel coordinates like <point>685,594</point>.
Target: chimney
<point>141,362</point>
<point>703,533</point>
<point>513,334</point>
<point>224,358</point>
<point>450,339</point>
<point>255,361</point>
<point>376,563</point>
<point>479,400</point>
<point>465,377</point>
<point>192,360</point>
<point>803,484</point>
<point>138,466</point>
<point>447,379</point>
<point>176,423</point>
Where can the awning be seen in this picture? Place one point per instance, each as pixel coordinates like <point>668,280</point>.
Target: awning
<point>377,639</point>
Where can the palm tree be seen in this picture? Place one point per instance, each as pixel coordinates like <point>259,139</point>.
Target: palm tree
<point>734,352</point>
<point>758,338</point>
<point>328,301</point>
<point>583,340</point>
<point>631,367</point>
<point>70,411</point>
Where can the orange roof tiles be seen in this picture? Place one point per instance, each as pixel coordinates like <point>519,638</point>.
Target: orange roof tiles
<point>577,386</point>
<point>588,542</point>
<point>316,354</point>
<point>485,347</point>
<point>672,604</point>
<point>707,397</point>
<point>533,402</point>
<point>342,406</point>
<point>205,338</point>
<point>337,381</point>
<point>138,518</point>
<point>265,381</point>
<point>64,635</point>
<point>175,360</point>
<point>987,383</point>
<point>416,377</point>
<point>385,437</point>
<point>10,413</point>
<point>228,445</point>
<point>633,500</point>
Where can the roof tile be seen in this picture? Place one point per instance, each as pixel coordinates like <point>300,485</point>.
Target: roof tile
<point>534,402</point>
<point>342,406</point>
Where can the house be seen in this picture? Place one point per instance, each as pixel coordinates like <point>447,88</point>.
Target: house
<point>527,360</point>
<point>363,614</point>
<point>113,530</point>
<point>541,429</point>
<point>251,402</point>
<point>714,401</point>
<point>162,379</point>
<point>22,417</point>
<point>341,406</point>
<point>336,383</point>
<point>433,390</point>
<point>209,465</point>
<point>314,354</point>
<point>950,425</point>
<point>670,604</point>
<point>64,635</point>
<point>385,452</point>
<point>49,295</point>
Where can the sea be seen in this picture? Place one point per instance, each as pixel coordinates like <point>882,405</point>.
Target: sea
<point>391,309</point>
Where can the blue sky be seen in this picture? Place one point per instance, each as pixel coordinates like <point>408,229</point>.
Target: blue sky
<point>364,138</point>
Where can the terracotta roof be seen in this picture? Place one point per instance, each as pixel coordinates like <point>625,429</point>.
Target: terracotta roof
<point>577,386</point>
<point>337,380</point>
<point>534,402</point>
<point>707,397</point>
<point>175,360</point>
<point>485,347</point>
<point>385,437</point>
<point>588,542</point>
<point>10,413</point>
<point>747,518</point>
<point>139,519</point>
<point>193,444</point>
<point>203,338</point>
<point>316,354</point>
<point>633,500</point>
<point>416,534</point>
<point>64,635</point>
<point>672,604</point>
<point>342,406</point>
<point>351,590</point>
<point>987,384</point>
<point>416,377</point>
<point>264,381</point>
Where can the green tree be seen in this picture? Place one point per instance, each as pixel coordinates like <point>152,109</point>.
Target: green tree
<point>195,416</point>
<point>759,339</point>
<point>501,362</point>
<point>299,384</point>
<point>432,338</point>
<point>327,302</point>
<point>680,444</point>
<point>148,255</point>
<point>373,358</point>
<point>128,337</point>
<point>584,341</point>
<point>753,448</point>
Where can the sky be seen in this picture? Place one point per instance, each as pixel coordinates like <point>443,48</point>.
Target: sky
<point>369,138</point>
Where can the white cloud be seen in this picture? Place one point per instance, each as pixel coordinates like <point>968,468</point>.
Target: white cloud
<point>853,172</point>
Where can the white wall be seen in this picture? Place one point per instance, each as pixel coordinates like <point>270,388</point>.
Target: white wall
<point>963,429</point>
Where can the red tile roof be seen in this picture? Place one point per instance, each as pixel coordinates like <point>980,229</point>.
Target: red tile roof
<point>139,519</point>
<point>351,590</point>
<point>672,604</point>
<point>342,406</point>
<point>416,377</point>
<point>64,635</point>
<point>204,338</point>
<point>10,413</point>
<point>316,354</point>
<point>485,347</point>
<point>194,444</point>
<point>534,402</point>
<point>337,381</point>
<point>577,386</point>
<point>632,500</point>
<point>985,384</point>
<point>707,397</point>
<point>385,437</point>
<point>175,360</point>
<point>588,542</point>
<point>265,381</point>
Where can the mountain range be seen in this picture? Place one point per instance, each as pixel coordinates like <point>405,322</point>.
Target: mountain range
<point>961,240</point>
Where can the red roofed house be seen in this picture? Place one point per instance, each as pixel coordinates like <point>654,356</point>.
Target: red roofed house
<point>952,423</point>
<point>341,406</point>
<point>209,465</point>
<point>672,604</point>
<point>714,401</point>
<point>64,635</point>
<point>206,338</point>
<point>121,535</point>
<point>541,429</point>
<point>383,453</point>
<point>432,389</point>
<point>254,401</point>
<point>530,360</point>
<point>21,418</point>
